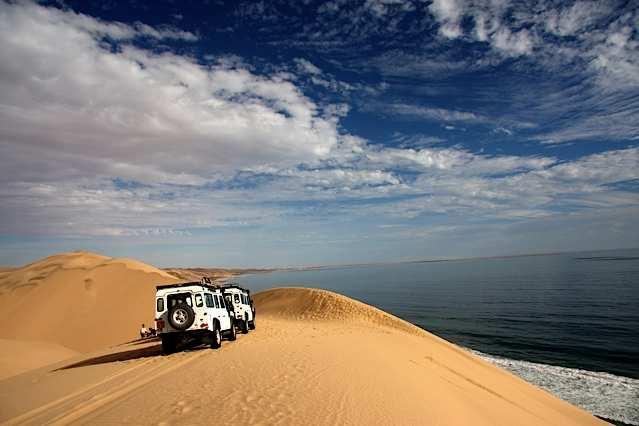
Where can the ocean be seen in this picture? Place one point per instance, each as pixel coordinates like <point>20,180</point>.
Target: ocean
<point>566,322</point>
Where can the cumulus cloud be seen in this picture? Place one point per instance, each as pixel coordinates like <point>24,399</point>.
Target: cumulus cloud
<point>488,24</point>
<point>449,14</point>
<point>514,44</point>
<point>517,29</point>
<point>132,111</point>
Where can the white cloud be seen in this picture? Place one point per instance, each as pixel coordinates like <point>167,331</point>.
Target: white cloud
<point>382,7</point>
<point>488,24</point>
<point>307,66</point>
<point>514,44</point>
<point>436,114</point>
<point>577,17</point>
<point>130,112</point>
<point>221,146</point>
<point>617,57</point>
<point>449,14</point>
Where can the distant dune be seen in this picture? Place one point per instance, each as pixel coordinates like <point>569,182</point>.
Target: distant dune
<point>216,274</point>
<point>83,301</point>
<point>316,357</point>
<point>196,274</point>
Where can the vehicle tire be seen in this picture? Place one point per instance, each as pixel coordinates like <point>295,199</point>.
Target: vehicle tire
<point>232,334</point>
<point>216,338</point>
<point>181,316</point>
<point>252,325</point>
<point>244,326</point>
<point>168,344</point>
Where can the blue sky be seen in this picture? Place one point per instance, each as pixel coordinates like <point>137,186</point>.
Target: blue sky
<point>303,133</point>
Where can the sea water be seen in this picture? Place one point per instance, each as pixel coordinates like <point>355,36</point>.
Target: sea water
<point>566,322</point>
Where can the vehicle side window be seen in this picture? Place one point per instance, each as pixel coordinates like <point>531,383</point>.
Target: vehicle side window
<point>236,297</point>
<point>209,300</point>
<point>217,302</point>
<point>244,300</point>
<point>198,300</point>
<point>222,302</point>
<point>160,304</point>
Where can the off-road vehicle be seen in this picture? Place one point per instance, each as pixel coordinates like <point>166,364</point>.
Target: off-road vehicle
<point>240,299</point>
<point>192,312</point>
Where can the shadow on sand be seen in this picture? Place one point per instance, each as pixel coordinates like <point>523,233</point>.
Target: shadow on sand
<point>155,350</point>
<point>141,341</point>
<point>149,351</point>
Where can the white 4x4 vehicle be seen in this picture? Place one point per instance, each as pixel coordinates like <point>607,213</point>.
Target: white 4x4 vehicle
<point>192,312</point>
<point>242,304</point>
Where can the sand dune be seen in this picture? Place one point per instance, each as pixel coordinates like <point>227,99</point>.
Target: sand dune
<point>83,301</point>
<point>316,357</point>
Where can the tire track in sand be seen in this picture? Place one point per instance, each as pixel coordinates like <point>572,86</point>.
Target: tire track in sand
<point>76,405</point>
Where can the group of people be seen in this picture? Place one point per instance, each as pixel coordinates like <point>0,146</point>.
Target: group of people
<point>147,332</point>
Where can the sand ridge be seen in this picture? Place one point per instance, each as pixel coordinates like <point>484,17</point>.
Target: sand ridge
<point>311,304</point>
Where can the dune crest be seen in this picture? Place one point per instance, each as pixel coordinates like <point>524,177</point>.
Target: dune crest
<point>312,304</point>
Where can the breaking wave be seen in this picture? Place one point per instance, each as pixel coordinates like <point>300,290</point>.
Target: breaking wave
<point>603,394</point>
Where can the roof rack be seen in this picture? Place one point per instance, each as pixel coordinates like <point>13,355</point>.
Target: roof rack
<point>237,286</point>
<point>198,283</point>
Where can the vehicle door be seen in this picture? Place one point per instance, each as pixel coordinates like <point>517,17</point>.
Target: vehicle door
<point>237,303</point>
<point>200,309</point>
<point>225,319</point>
<point>245,307</point>
<point>210,308</point>
<point>218,313</point>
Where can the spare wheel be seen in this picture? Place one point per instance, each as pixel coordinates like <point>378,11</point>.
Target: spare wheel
<point>181,316</point>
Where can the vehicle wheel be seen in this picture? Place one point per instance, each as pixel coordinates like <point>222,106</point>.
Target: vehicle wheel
<point>232,334</point>
<point>252,325</point>
<point>244,327</point>
<point>181,316</point>
<point>168,344</point>
<point>216,338</point>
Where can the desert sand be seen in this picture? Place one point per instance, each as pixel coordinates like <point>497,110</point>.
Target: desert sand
<point>18,356</point>
<point>316,357</point>
<point>82,301</point>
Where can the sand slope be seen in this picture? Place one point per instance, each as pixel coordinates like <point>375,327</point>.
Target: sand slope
<point>80,300</point>
<point>315,358</point>
<point>18,356</point>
